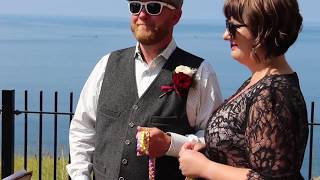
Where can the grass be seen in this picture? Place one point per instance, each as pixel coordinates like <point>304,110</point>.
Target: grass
<point>47,166</point>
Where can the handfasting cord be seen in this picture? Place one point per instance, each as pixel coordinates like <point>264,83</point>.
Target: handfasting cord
<point>189,178</point>
<point>143,144</point>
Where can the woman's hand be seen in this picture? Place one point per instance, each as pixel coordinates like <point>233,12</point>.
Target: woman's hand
<point>193,146</point>
<point>192,162</point>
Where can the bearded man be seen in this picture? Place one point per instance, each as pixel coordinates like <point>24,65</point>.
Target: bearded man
<point>125,91</point>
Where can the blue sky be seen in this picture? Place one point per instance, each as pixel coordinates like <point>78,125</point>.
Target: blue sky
<point>193,9</point>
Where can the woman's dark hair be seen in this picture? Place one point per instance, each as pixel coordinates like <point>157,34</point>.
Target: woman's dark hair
<point>274,24</point>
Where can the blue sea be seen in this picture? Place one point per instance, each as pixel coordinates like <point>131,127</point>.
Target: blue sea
<point>58,53</point>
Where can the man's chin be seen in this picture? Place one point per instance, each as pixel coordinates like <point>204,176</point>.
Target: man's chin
<point>146,41</point>
<point>148,37</point>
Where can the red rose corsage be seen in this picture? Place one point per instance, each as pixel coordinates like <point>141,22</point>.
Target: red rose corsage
<point>182,79</point>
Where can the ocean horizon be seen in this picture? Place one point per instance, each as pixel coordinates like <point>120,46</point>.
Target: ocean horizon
<point>47,53</point>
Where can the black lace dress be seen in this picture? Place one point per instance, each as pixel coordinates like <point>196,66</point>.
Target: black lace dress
<point>264,129</point>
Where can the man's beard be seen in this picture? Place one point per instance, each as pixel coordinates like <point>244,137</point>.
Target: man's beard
<point>149,35</point>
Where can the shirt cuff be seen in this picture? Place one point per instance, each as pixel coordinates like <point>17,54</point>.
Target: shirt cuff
<point>82,177</point>
<point>177,141</point>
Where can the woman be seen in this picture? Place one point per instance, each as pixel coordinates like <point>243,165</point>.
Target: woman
<point>261,131</point>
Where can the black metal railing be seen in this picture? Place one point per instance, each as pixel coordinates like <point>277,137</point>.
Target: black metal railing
<point>8,112</point>
<point>8,118</point>
<point>311,124</point>
<point>8,106</point>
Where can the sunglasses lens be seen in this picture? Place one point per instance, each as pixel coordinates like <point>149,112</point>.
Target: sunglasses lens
<point>231,28</point>
<point>135,7</point>
<point>154,8</point>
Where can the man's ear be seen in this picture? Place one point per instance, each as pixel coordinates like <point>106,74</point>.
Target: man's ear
<point>176,16</point>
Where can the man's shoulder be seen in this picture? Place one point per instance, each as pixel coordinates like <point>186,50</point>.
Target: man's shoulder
<point>189,54</point>
<point>122,53</point>
<point>132,48</point>
<point>182,57</point>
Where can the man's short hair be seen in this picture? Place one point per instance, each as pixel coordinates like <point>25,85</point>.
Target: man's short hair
<point>175,3</point>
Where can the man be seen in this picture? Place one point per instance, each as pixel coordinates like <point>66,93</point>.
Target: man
<point>124,92</point>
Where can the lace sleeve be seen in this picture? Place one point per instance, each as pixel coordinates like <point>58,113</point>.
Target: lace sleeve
<point>272,146</point>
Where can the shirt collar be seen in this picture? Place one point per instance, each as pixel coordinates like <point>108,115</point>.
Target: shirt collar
<point>166,53</point>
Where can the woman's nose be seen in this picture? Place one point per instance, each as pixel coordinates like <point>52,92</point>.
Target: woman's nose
<point>226,35</point>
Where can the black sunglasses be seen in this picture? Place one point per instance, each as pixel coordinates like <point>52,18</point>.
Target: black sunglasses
<point>153,8</point>
<point>232,28</point>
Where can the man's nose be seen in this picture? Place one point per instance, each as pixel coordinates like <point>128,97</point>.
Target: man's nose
<point>143,12</point>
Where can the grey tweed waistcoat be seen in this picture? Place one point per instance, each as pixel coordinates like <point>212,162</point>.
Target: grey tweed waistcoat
<point>120,111</point>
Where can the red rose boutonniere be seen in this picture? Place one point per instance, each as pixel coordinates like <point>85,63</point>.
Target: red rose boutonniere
<point>182,79</point>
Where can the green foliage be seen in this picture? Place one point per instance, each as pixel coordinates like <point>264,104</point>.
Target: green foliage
<point>47,166</point>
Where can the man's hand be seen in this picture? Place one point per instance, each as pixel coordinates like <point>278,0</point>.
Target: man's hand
<point>159,142</point>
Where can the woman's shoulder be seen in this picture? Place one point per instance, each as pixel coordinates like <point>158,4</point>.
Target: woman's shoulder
<point>279,82</point>
<point>281,87</point>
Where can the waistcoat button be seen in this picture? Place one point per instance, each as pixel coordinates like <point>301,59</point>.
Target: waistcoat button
<point>131,124</point>
<point>135,107</point>
<point>127,142</point>
<point>124,161</point>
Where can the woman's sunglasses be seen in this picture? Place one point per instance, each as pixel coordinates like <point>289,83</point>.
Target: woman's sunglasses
<point>153,8</point>
<point>232,28</point>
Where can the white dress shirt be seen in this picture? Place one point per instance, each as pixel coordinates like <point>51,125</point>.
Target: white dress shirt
<point>202,100</point>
